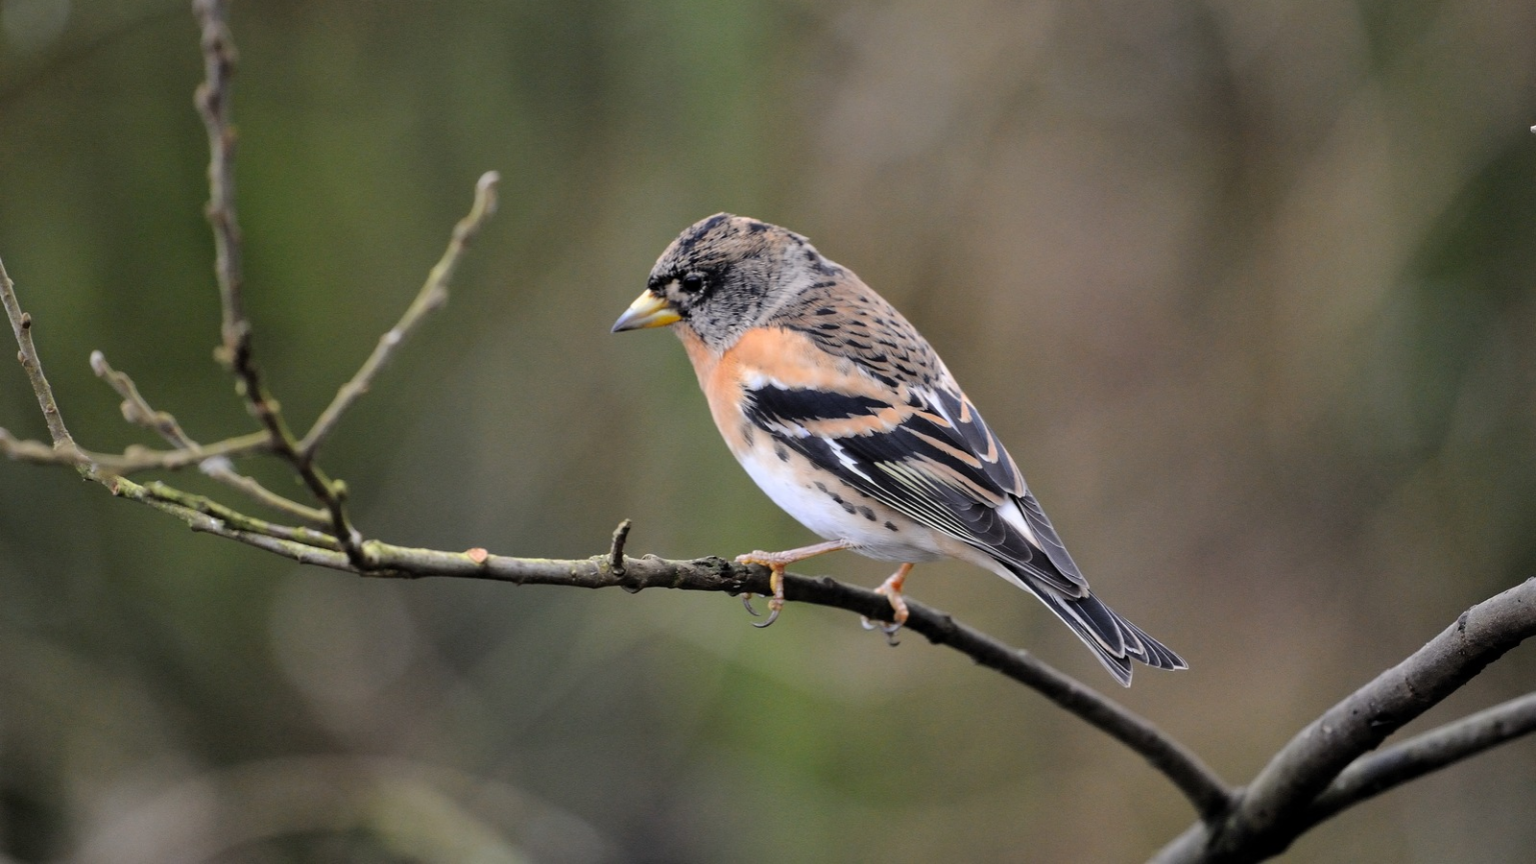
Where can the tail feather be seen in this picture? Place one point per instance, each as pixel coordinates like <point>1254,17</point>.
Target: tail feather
<point>1114,640</point>
<point>1103,623</point>
<point>1159,656</point>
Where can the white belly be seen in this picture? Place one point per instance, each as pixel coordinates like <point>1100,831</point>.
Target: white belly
<point>838,513</point>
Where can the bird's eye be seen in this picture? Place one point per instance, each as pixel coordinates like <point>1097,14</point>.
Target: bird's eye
<point>692,283</point>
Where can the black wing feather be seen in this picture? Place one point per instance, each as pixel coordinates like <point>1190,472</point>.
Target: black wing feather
<point>887,466</point>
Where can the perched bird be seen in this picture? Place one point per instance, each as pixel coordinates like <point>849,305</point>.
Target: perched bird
<point>842,412</point>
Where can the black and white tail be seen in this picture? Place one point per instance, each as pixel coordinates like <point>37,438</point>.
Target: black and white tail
<point>1114,640</point>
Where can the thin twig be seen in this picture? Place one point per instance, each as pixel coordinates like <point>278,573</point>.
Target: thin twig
<point>36,452</point>
<point>21,326</point>
<point>616,548</point>
<point>240,521</point>
<point>132,460</point>
<point>224,472</point>
<point>433,294</point>
<point>197,520</point>
<point>213,103</point>
<point>137,410</point>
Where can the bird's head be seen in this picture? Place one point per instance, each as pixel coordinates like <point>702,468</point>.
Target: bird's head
<point>723,275</point>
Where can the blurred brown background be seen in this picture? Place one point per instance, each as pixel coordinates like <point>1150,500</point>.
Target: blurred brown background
<point>1246,287</point>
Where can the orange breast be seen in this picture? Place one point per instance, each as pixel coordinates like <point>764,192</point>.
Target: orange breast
<point>785,356</point>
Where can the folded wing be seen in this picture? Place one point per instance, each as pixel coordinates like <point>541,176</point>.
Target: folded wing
<point>929,455</point>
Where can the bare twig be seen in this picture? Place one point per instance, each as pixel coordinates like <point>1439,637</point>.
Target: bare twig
<point>433,294</point>
<point>616,548</point>
<point>137,410</point>
<point>38,452</point>
<point>64,450</point>
<point>197,520</point>
<point>1372,775</point>
<point>333,495</point>
<point>21,326</point>
<point>240,521</point>
<point>222,471</point>
<point>132,460</point>
<point>213,103</point>
<point>1271,812</point>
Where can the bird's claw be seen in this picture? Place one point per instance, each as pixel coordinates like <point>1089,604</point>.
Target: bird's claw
<point>776,562</point>
<point>775,565</point>
<point>775,606</point>
<point>890,629</point>
<point>890,589</point>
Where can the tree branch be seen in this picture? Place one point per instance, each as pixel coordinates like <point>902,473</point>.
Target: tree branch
<point>1372,775</point>
<point>132,460</point>
<point>1272,811</point>
<point>160,492</point>
<point>21,326</point>
<point>212,98</point>
<point>221,470</point>
<point>213,103</point>
<point>137,410</point>
<point>1184,769</point>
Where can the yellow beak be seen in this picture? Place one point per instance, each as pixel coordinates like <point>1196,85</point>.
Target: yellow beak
<point>648,310</point>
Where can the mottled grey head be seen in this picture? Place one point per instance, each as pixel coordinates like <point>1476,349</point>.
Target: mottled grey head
<point>723,275</point>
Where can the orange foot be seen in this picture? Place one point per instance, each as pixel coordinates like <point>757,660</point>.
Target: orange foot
<point>776,562</point>
<point>891,588</point>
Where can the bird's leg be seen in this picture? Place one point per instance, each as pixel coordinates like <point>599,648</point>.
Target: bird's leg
<point>776,562</point>
<point>891,588</point>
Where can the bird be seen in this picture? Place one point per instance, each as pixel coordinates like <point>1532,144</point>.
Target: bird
<point>846,417</point>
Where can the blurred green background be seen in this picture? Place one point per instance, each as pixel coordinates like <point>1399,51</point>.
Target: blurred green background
<point>1247,287</point>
